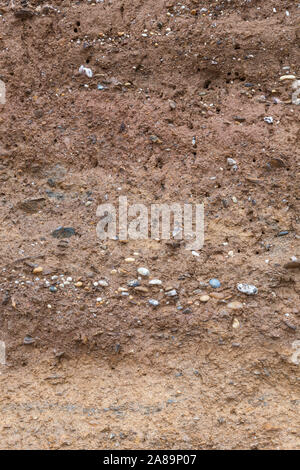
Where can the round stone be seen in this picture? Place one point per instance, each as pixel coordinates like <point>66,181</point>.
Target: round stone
<point>143,272</point>
<point>204,298</point>
<point>133,283</point>
<point>235,305</point>
<point>37,270</point>
<point>155,282</point>
<point>215,283</point>
<point>247,289</point>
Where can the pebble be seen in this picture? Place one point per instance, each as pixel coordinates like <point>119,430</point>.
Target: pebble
<point>28,340</point>
<point>204,298</point>
<point>85,70</point>
<point>217,295</point>
<point>133,283</point>
<point>129,260</point>
<point>153,302</point>
<point>187,311</point>
<point>292,265</point>
<point>283,233</point>
<point>37,270</point>
<point>141,289</point>
<point>103,283</point>
<point>63,232</point>
<point>214,283</point>
<point>78,284</point>
<point>247,289</point>
<point>235,323</point>
<point>155,282</point>
<point>143,272</point>
<point>235,305</point>
<point>53,289</point>
<point>231,161</point>
<point>171,293</point>
<point>287,77</point>
<point>269,119</point>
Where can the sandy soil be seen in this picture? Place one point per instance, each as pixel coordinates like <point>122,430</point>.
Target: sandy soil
<point>175,93</point>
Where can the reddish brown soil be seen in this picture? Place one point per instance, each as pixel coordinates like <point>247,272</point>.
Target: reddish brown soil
<point>118,373</point>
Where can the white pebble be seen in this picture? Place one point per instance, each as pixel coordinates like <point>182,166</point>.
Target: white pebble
<point>143,271</point>
<point>171,293</point>
<point>84,70</point>
<point>155,282</point>
<point>247,289</point>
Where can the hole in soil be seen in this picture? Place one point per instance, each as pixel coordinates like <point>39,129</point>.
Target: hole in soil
<point>78,23</point>
<point>75,30</point>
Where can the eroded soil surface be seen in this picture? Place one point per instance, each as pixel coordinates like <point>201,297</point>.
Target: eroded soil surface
<point>179,90</point>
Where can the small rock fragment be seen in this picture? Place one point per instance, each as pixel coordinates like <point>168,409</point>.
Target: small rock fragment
<point>37,270</point>
<point>23,14</point>
<point>63,232</point>
<point>235,305</point>
<point>155,282</point>
<point>217,295</point>
<point>292,265</point>
<point>187,311</point>
<point>143,272</point>
<point>247,289</point>
<point>287,77</point>
<point>269,119</point>
<point>171,293</point>
<point>231,162</point>
<point>283,233</point>
<point>133,283</point>
<point>85,70</point>
<point>141,289</point>
<point>214,283</point>
<point>28,340</point>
